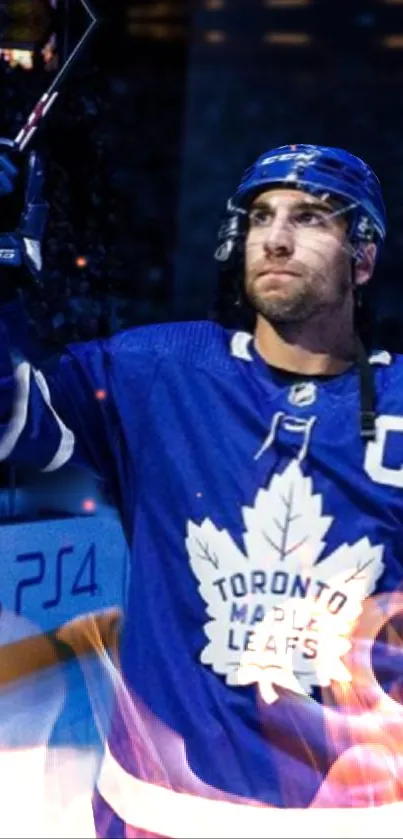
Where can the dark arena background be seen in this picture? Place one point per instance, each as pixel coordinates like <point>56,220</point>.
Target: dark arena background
<point>167,104</point>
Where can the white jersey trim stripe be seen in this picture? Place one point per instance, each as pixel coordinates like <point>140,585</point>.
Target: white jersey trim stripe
<point>240,346</point>
<point>67,439</point>
<point>17,424</point>
<point>157,809</point>
<point>20,410</point>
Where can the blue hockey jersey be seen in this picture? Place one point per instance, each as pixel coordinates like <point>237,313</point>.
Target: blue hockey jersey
<point>262,532</point>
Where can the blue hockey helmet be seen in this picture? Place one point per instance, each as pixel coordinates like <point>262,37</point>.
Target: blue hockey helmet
<point>320,170</point>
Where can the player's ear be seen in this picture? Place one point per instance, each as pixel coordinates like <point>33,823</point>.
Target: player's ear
<point>365,263</point>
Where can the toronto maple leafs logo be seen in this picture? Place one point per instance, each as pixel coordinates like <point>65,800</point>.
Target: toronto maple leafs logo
<point>278,616</point>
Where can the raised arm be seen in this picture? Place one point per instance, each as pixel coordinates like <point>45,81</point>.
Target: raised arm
<point>61,414</point>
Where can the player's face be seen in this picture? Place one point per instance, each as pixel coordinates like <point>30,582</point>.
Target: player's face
<point>298,261</point>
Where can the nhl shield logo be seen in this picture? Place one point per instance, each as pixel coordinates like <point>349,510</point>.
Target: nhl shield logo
<point>302,394</point>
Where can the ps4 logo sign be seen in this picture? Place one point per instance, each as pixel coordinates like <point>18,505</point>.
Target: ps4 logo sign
<point>8,253</point>
<point>49,572</point>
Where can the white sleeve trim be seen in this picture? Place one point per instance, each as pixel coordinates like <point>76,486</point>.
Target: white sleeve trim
<point>162,810</point>
<point>20,410</point>
<point>18,420</point>
<point>67,439</point>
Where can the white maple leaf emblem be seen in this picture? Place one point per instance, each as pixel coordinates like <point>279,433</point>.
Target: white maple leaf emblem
<point>278,616</point>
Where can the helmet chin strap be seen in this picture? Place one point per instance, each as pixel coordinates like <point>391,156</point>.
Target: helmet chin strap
<point>367,394</point>
<point>366,376</point>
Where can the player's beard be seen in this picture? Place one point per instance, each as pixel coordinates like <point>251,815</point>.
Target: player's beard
<point>302,299</point>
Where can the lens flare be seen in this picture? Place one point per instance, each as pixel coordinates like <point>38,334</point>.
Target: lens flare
<point>135,767</point>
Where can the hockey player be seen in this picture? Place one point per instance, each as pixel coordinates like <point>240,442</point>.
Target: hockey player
<point>258,476</point>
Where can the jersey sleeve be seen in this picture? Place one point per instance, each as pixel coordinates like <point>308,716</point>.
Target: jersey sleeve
<point>63,413</point>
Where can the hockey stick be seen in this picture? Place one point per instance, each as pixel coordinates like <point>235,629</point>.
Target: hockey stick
<point>47,100</point>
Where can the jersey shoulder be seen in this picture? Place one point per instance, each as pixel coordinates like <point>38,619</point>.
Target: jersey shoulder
<point>133,357</point>
<point>389,374</point>
<point>201,343</point>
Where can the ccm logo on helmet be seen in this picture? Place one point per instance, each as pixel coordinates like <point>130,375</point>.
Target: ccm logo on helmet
<point>304,157</point>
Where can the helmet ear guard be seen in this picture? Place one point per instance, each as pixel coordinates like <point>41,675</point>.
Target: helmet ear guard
<point>231,233</point>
